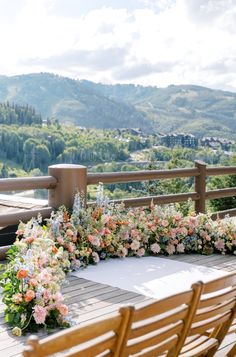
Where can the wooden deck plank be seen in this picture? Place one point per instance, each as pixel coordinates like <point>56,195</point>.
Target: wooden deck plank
<point>90,300</point>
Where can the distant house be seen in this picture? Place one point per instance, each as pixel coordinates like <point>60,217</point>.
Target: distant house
<point>216,143</point>
<point>181,139</point>
<point>131,131</point>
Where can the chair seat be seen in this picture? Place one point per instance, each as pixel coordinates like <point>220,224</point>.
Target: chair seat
<point>198,346</point>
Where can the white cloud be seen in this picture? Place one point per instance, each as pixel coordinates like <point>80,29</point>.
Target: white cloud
<point>146,41</point>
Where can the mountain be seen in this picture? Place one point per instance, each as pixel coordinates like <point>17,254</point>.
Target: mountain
<point>70,101</point>
<point>179,108</point>
<point>182,108</point>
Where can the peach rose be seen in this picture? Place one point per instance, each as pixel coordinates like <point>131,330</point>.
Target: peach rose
<point>29,295</point>
<point>63,309</point>
<point>29,240</point>
<point>17,298</point>
<point>22,273</point>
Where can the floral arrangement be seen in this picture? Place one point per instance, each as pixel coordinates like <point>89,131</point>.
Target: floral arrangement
<point>43,254</point>
<point>32,281</point>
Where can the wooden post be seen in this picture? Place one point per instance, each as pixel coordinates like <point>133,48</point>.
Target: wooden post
<point>200,187</point>
<point>70,180</point>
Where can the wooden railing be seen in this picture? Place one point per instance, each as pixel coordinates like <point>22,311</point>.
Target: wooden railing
<point>65,180</point>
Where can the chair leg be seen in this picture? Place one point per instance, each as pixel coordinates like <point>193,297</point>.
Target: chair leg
<point>232,352</point>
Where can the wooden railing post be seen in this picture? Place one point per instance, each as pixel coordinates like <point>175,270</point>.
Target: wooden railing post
<point>200,187</point>
<point>70,180</point>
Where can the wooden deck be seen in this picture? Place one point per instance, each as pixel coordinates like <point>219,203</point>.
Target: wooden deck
<point>89,300</point>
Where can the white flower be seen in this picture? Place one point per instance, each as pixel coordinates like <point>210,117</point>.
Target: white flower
<point>155,248</point>
<point>135,245</point>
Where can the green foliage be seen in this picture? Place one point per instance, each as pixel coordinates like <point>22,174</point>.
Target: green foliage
<point>184,157</point>
<point>18,115</point>
<point>218,182</point>
<point>34,147</point>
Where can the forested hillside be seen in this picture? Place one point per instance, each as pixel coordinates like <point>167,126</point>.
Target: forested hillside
<point>38,147</point>
<point>18,114</point>
<point>70,101</point>
<point>183,108</point>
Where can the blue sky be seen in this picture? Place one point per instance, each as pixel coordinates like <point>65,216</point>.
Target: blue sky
<point>148,42</point>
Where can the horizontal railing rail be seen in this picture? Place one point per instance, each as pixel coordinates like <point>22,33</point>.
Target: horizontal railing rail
<point>160,199</point>
<point>27,183</point>
<point>220,193</point>
<point>64,181</point>
<point>220,170</point>
<point>13,218</point>
<point>133,176</point>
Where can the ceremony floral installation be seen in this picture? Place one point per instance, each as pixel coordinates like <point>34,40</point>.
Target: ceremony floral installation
<point>43,254</point>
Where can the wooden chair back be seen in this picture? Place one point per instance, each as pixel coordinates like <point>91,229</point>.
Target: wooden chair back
<point>213,318</point>
<point>161,327</point>
<point>102,337</point>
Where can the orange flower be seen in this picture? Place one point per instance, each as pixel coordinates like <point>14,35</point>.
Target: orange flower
<point>29,240</point>
<point>22,273</point>
<point>54,249</point>
<point>29,295</point>
<point>65,217</point>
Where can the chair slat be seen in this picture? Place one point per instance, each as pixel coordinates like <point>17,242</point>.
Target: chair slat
<point>155,325</point>
<point>203,326</point>
<point>219,284</point>
<point>149,341</point>
<point>56,343</point>
<point>163,305</point>
<point>92,351</point>
<point>201,348</point>
<point>147,334</point>
<point>213,311</point>
<point>217,298</point>
<point>161,348</point>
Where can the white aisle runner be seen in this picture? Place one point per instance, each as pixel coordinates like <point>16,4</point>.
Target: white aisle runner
<point>151,276</point>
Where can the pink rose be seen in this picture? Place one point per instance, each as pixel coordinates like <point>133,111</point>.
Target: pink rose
<point>141,252</point>
<point>60,240</point>
<point>164,223</point>
<point>177,216</point>
<point>220,244</point>
<point>135,245</point>
<point>33,282</point>
<point>39,314</point>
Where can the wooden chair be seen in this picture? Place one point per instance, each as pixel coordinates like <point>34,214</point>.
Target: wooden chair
<point>232,330</point>
<point>102,337</point>
<point>160,328</point>
<point>215,314</point>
